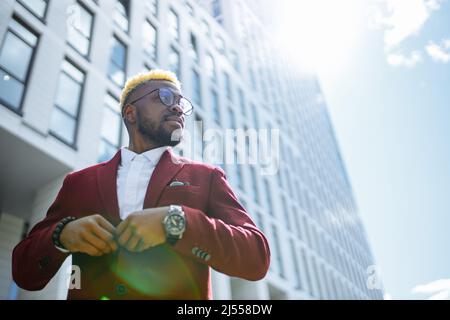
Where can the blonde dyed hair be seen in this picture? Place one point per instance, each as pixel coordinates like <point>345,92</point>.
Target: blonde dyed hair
<point>141,78</point>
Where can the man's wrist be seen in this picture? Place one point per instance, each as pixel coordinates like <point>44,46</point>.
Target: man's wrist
<point>57,233</point>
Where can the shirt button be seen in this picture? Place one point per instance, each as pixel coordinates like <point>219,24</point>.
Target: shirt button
<point>121,289</point>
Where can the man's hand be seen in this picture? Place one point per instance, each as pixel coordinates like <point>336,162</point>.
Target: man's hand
<point>142,229</point>
<point>93,235</point>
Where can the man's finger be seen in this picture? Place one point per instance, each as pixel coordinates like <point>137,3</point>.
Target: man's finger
<point>121,227</point>
<point>88,248</point>
<point>125,236</point>
<point>132,243</point>
<point>96,242</point>
<point>142,246</point>
<point>105,224</point>
<point>105,236</point>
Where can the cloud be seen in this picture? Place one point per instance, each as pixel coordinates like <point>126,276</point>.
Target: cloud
<point>439,289</point>
<point>397,59</point>
<point>401,19</point>
<point>439,53</point>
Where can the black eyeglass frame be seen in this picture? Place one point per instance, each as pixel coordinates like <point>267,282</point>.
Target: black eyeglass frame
<point>188,113</point>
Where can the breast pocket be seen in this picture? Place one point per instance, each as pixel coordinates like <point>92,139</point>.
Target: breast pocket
<point>183,195</point>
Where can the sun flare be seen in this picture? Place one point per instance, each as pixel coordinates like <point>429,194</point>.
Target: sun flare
<point>319,34</point>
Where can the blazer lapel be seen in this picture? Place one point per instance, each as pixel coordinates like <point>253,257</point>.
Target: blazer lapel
<point>167,167</point>
<point>107,183</point>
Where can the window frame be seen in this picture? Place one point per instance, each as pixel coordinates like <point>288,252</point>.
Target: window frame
<point>120,133</point>
<point>44,16</point>
<point>91,31</point>
<point>146,52</point>
<point>79,105</point>
<point>111,61</point>
<point>19,109</point>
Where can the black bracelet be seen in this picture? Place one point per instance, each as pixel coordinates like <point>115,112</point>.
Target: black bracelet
<point>58,229</point>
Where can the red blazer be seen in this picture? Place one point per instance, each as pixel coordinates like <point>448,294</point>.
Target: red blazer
<point>219,234</point>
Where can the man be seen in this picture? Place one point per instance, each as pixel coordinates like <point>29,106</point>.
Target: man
<point>147,224</point>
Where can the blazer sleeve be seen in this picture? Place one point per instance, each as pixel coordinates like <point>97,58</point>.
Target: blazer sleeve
<point>35,260</point>
<point>225,238</point>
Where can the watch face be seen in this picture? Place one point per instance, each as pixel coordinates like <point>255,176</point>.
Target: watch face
<point>175,224</point>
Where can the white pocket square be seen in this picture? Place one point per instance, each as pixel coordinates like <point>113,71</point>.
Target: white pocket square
<point>176,183</point>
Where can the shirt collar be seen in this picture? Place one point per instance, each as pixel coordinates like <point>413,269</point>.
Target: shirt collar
<point>152,155</point>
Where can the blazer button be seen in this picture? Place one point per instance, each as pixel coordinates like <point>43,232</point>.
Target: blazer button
<point>121,289</point>
<point>200,253</point>
<point>194,251</point>
<point>207,257</point>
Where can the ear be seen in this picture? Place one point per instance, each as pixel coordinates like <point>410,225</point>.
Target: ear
<point>129,113</point>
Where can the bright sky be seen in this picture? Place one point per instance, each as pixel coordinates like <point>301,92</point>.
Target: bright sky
<point>384,66</point>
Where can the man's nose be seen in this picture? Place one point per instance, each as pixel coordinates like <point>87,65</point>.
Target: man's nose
<point>176,108</point>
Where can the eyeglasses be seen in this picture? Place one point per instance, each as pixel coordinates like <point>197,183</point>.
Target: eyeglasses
<point>169,99</point>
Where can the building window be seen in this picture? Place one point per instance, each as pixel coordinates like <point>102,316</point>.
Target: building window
<point>79,30</point>
<point>16,57</point>
<point>296,214</point>
<point>152,7</point>
<point>121,14</point>
<point>227,84</point>
<point>216,8</point>
<point>196,88</point>
<point>287,219</point>
<point>255,184</point>
<point>36,7</point>
<point>268,197</point>
<point>240,177</point>
<point>205,28</point>
<point>111,129</point>
<point>242,102</point>
<point>255,116</point>
<point>307,231</point>
<point>252,77</point>
<point>193,50</point>
<point>117,64</point>
<point>198,135</point>
<point>259,221</point>
<point>65,115</point>
<point>173,25</point>
<point>235,60</point>
<point>308,275</point>
<point>315,270</point>
<point>277,247</point>
<point>232,121</point>
<point>220,45</point>
<point>215,106</point>
<point>189,8</point>
<point>298,281</point>
<point>149,38</point>
<point>210,67</point>
<point>174,61</point>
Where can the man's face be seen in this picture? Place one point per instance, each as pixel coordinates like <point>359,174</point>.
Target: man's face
<point>155,121</point>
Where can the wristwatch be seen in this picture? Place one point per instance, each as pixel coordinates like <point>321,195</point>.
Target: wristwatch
<point>174,224</point>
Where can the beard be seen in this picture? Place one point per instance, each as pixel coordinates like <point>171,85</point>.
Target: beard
<point>156,133</point>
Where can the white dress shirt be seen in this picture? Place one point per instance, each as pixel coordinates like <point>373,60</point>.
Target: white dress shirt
<point>133,176</point>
